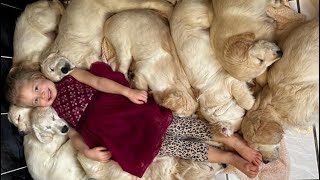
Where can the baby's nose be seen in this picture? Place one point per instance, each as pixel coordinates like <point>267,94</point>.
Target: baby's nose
<point>43,95</point>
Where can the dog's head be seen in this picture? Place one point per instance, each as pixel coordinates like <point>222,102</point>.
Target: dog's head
<point>20,117</point>
<point>263,133</point>
<point>55,67</point>
<point>245,58</point>
<point>180,102</point>
<point>46,123</point>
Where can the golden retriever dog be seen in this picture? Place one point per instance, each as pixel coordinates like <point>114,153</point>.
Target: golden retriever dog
<point>222,98</point>
<point>292,94</point>
<point>35,30</point>
<point>241,35</point>
<point>49,156</point>
<point>79,38</point>
<point>142,38</point>
<point>20,117</point>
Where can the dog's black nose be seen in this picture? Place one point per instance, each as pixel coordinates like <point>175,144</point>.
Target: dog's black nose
<point>66,68</point>
<point>64,129</point>
<point>265,161</point>
<point>279,53</point>
<point>22,133</point>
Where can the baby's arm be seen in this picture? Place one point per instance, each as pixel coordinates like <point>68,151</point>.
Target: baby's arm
<point>109,86</point>
<point>98,153</point>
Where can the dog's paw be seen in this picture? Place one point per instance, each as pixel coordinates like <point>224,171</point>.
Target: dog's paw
<point>222,128</point>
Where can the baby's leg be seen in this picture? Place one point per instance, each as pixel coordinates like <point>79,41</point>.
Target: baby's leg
<point>189,127</point>
<point>239,145</point>
<point>192,150</point>
<point>219,156</point>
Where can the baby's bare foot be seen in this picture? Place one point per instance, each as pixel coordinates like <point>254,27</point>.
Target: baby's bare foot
<point>244,166</point>
<point>251,155</point>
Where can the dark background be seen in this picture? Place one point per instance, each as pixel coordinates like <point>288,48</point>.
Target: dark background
<point>12,156</point>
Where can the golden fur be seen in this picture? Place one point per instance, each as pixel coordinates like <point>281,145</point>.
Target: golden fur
<point>142,38</point>
<point>35,30</point>
<point>222,98</point>
<point>292,93</point>
<point>241,35</point>
<point>80,33</point>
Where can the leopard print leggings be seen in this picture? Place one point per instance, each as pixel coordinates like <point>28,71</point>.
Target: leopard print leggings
<point>185,139</point>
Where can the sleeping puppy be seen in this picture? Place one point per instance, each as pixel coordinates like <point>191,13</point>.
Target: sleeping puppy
<point>222,98</point>
<point>79,38</point>
<point>241,35</point>
<point>35,30</point>
<point>154,58</point>
<point>292,93</point>
<point>49,155</point>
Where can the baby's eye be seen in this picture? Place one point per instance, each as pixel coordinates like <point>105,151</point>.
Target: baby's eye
<point>36,88</point>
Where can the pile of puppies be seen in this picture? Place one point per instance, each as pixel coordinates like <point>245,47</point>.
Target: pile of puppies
<point>197,56</point>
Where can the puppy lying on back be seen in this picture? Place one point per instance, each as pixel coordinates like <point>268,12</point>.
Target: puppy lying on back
<point>35,30</point>
<point>292,93</point>
<point>142,38</point>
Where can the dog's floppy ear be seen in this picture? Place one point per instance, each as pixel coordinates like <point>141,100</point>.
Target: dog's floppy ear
<point>43,137</point>
<point>268,132</point>
<point>237,45</point>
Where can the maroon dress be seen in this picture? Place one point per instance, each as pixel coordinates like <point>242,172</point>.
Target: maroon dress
<point>132,133</point>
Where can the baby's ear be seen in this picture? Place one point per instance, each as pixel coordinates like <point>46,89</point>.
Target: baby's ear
<point>43,137</point>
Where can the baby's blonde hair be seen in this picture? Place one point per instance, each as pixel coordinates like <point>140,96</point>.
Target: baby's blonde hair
<point>17,76</point>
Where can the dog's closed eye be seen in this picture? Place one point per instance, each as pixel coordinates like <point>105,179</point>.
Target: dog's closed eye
<point>48,127</point>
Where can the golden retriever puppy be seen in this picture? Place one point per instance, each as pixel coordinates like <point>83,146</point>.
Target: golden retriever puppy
<point>20,117</point>
<point>49,156</point>
<point>240,35</point>
<point>142,38</point>
<point>292,94</point>
<point>79,38</point>
<point>222,98</point>
<point>35,30</point>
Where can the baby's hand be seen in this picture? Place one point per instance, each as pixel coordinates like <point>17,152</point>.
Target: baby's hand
<point>98,154</point>
<point>137,96</point>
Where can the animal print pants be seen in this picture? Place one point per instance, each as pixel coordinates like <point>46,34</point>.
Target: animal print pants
<point>185,138</point>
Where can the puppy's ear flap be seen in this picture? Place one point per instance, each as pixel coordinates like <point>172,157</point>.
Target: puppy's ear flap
<point>43,137</point>
<point>269,132</point>
<point>238,45</point>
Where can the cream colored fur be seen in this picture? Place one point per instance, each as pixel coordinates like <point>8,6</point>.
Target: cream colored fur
<point>49,156</point>
<point>80,33</point>
<point>35,30</point>
<point>292,94</point>
<point>20,117</point>
<point>142,38</point>
<point>223,99</point>
<point>241,35</point>
<point>162,168</point>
